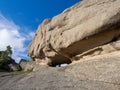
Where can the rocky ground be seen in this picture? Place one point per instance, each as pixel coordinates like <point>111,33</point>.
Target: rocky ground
<point>95,73</point>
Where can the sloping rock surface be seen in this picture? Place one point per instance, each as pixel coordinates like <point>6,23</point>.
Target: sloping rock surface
<point>95,73</point>
<point>84,26</point>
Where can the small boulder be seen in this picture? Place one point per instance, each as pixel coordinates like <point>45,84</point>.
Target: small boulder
<point>27,64</point>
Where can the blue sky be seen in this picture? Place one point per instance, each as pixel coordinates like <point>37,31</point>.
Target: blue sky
<point>19,20</point>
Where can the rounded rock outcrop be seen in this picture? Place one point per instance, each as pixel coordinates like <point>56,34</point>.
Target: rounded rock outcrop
<point>84,26</point>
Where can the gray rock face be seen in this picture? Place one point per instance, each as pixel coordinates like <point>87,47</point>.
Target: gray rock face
<point>95,73</point>
<point>84,26</point>
<point>27,65</point>
<point>13,67</point>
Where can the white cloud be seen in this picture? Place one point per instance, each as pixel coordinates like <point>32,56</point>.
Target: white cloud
<point>10,35</point>
<point>31,34</point>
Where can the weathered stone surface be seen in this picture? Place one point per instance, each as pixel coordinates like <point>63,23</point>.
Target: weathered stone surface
<point>27,65</point>
<point>13,67</point>
<point>94,73</point>
<point>100,50</point>
<point>84,26</point>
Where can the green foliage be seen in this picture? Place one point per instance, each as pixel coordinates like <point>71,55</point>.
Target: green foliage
<point>9,50</point>
<point>2,70</point>
<point>22,71</point>
<point>5,55</point>
<point>29,70</point>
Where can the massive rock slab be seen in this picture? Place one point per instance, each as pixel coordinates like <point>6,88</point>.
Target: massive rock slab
<point>86,25</point>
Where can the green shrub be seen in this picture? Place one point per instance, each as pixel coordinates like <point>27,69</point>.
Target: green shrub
<point>5,56</point>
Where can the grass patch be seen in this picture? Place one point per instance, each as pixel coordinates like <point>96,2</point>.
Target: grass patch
<point>22,71</point>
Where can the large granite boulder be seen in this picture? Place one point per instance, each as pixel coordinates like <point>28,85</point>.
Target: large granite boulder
<point>84,26</point>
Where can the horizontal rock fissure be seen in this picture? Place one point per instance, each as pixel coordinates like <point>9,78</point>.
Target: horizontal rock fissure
<point>91,42</point>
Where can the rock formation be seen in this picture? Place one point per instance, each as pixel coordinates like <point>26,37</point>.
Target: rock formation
<point>27,65</point>
<point>87,36</point>
<point>76,31</point>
